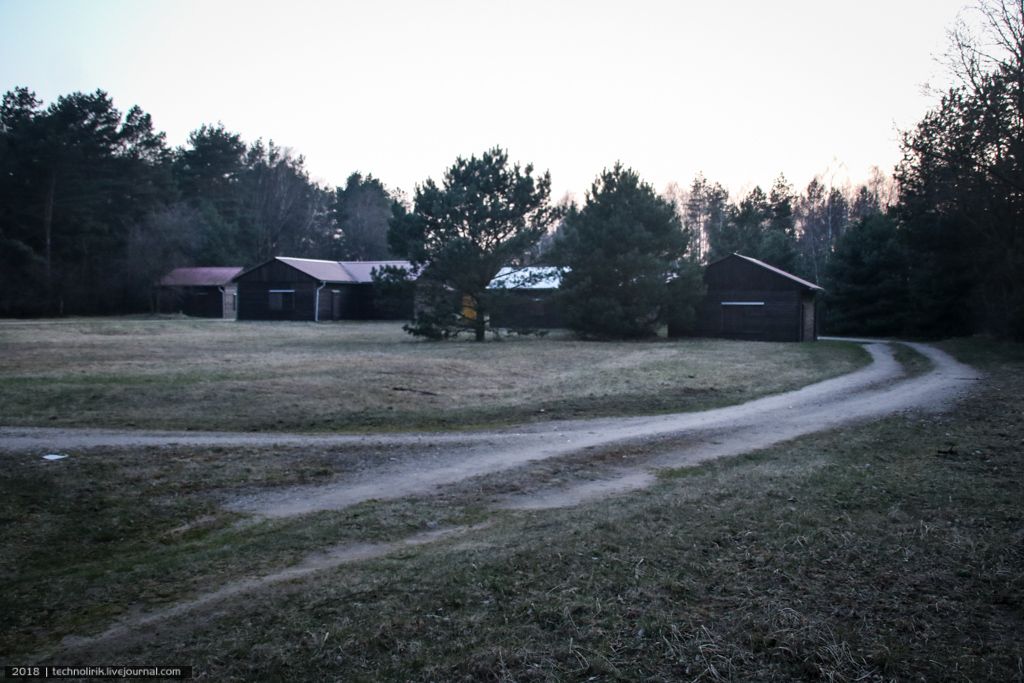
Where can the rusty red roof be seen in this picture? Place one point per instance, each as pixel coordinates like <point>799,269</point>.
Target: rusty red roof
<point>200,277</point>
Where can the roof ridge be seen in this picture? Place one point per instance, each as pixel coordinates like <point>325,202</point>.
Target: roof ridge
<point>778,271</point>
<point>352,276</point>
<point>299,258</point>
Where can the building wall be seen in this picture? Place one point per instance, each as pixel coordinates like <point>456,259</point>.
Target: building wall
<point>275,291</point>
<point>763,315</point>
<point>810,317</point>
<point>197,302</point>
<point>526,309</point>
<point>746,301</point>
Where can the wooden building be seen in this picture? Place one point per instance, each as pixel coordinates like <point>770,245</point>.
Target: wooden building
<point>749,299</point>
<point>199,292</point>
<point>308,289</point>
<point>524,298</point>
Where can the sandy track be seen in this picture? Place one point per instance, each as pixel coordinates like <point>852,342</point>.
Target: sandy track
<point>872,392</point>
<point>431,461</point>
<point>128,628</point>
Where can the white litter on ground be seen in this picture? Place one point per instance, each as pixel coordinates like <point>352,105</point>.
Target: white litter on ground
<point>54,456</point>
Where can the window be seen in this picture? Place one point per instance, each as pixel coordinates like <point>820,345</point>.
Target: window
<point>282,300</point>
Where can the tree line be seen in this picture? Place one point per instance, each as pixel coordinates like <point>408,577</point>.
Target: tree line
<point>94,206</point>
<point>937,251</point>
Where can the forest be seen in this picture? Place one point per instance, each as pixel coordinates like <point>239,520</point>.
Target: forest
<point>95,206</point>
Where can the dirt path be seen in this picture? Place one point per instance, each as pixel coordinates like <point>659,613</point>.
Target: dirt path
<point>874,392</point>
<point>128,628</point>
<point>435,461</point>
<point>432,461</point>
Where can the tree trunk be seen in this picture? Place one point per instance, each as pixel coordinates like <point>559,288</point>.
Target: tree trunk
<point>479,326</point>
<point>51,193</point>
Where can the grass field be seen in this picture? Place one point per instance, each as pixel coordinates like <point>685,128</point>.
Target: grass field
<point>181,374</point>
<point>888,551</point>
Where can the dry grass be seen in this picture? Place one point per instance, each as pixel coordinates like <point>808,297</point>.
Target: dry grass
<point>110,531</point>
<point>181,374</point>
<point>889,551</point>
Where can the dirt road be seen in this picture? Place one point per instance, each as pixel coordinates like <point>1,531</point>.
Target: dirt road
<point>432,461</point>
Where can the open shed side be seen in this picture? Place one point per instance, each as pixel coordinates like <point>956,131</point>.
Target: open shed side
<point>204,292</point>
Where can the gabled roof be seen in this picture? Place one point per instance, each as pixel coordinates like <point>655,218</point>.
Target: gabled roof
<point>335,272</point>
<point>530,277</point>
<point>777,271</point>
<point>200,277</point>
<point>325,271</point>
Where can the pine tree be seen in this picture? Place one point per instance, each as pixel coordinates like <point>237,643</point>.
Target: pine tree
<point>486,214</point>
<point>621,249</point>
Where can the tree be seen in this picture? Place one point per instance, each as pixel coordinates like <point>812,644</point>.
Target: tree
<point>256,200</point>
<point>485,215</point>
<point>962,185</point>
<point>621,249</point>
<point>822,216</point>
<point>208,171</point>
<point>78,176</point>
<point>778,245</point>
<point>361,212</point>
<point>705,215</point>
<point>867,280</point>
<point>282,210</point>
<point>743,229</point>
<point>813,241</point>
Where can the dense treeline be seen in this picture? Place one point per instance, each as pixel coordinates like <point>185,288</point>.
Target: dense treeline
<point>797,232</point>
<point>949,259</point>
<point>94,206</point>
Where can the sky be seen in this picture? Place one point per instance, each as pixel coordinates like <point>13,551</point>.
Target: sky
<point>739,90</point>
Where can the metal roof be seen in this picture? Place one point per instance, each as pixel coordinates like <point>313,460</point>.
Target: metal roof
<point>362,271</point>
<point>530,277</point>
<point>777,271</point>
<point>325,271</point>
<point>336,272</point>
<point>200,277</point>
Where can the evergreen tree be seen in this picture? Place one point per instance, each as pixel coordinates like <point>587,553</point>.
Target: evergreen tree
<point>962,187</point>
<point>361,212</point>
<point>78,178</point>
<point>621,249</point>
<point>486,214</point>
<point>209,170</point>
<point>778,244</point>
<point>743,229</point>
<point>867,280</point>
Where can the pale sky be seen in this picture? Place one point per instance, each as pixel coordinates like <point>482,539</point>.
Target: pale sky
<point>740,89</point>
